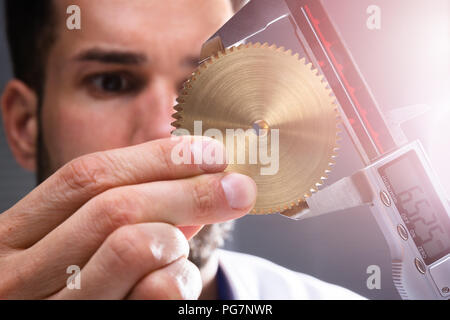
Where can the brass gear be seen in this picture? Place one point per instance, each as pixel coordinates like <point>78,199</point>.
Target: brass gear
<point>262,86</point>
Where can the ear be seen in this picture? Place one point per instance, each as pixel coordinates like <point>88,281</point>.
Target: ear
<point>20,119</point>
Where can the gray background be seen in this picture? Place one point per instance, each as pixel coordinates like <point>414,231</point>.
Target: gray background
<point>397,62</point>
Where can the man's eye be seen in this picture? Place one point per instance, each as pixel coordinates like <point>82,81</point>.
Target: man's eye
<point>112,84</point>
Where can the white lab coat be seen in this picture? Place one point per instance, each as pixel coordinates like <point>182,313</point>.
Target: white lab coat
<point>254,278</point>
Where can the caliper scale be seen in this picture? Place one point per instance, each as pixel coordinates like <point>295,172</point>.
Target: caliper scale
<point>397,183</point>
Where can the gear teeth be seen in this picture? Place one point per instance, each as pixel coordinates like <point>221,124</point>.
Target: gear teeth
<point>221,54</point>
<point>177,116</point>
<point>176,124</point>
<point>178,108</point>
<point>288,206</point>
<point>296,56</point>
<point>180,99</point>
<point>303,60</point>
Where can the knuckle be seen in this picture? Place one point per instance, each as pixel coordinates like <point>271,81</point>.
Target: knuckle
<point>18,272</point>
<point>175,287</point>
<point>119,208</point>
<point>162,153</point>
<point>184,282</point>
<point>177,240</point>
<point>151,244</point>
<point>124,246</point>
<point>204,196</point>
<point>86,173</point>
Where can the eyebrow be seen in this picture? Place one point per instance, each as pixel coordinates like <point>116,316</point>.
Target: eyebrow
<point>111,56</point>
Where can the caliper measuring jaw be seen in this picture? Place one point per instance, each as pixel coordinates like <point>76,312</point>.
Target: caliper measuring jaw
<point>349,192</point>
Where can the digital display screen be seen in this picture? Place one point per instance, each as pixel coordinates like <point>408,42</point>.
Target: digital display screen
<point>419,206</point>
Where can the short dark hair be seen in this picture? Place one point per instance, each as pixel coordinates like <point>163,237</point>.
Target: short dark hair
<point>30,33</point>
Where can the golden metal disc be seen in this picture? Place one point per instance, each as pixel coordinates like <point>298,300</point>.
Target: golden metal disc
<point>258,87</point>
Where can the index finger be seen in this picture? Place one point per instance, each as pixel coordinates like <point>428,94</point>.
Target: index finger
<point>77,182</point>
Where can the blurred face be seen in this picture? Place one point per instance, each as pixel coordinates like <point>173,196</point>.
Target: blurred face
<point>113,83</point>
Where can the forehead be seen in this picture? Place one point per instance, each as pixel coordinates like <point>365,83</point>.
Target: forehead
<point>145,25</point>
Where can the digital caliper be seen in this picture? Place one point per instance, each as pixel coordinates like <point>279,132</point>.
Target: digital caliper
<point>398,182</point>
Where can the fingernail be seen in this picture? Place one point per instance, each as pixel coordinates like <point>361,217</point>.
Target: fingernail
<point>209,154</point>
<point>240,190</point>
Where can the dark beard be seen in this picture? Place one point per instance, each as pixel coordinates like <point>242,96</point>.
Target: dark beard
<point>207,240</point>
<point>202,245</point>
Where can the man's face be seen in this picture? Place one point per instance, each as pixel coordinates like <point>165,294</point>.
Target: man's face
<point>113,83</point>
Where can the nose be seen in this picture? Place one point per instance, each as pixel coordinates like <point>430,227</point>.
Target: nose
<point>154,109</point>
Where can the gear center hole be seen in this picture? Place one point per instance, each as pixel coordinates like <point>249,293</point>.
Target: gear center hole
<point>261,127</point>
